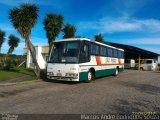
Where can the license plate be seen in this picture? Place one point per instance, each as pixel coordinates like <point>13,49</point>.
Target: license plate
<point>59,74</point>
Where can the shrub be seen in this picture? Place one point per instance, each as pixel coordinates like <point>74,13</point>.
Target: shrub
<point>11,61</point>
<point>7,64</point>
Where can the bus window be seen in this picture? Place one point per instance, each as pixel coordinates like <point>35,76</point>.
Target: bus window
<point>97,50</point>
<point>115,53</point>
<point>103,51</point>
<point>94,49</point>
<point>110,53</point>
<point>119,54</point>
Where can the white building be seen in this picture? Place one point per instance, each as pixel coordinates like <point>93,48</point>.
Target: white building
<point>41,56</point>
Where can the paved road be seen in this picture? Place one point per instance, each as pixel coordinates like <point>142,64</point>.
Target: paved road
<point>128,92</point>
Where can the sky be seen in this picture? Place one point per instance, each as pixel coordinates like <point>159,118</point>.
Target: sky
<point>132,22</point>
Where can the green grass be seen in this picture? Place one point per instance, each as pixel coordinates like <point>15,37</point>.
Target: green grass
<point>30,78</point>
<point>17,72</point>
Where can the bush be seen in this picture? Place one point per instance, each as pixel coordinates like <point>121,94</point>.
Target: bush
<point>1,64</point>
<point>5,64</point>
<point>11,61</point>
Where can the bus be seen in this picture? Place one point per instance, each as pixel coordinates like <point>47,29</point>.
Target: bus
<point>129,63</point>
<point>82,59</point>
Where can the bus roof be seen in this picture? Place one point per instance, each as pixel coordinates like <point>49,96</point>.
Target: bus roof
<point>75,39</point>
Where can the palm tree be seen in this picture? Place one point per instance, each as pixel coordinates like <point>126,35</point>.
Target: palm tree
<point>69,31</point>
<point>99,38</point>
<point>2,38</point>
<point>53,25</point>
<point>13,43</point>
<point>23,19</point>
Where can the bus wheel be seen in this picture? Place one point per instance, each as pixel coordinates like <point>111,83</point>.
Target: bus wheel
<point>116,72</point>
<point>90,76</point>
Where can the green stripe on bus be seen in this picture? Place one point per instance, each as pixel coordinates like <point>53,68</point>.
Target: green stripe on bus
<point>83,76</point>
<point>99,73</point>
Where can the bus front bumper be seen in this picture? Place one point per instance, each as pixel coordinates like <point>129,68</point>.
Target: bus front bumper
<point>62,78</point>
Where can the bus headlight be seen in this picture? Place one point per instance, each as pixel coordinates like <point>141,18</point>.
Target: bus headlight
<point>50,73</point>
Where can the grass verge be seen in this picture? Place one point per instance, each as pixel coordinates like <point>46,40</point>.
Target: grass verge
<point>17,72</point>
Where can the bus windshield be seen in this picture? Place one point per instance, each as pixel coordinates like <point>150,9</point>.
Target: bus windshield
<point>65,52</point>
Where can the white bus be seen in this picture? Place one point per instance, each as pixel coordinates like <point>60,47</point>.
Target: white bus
<point>129,63</point>
<point>82,59</point>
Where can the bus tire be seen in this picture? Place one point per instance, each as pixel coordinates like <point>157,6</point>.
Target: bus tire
<point>90,76</point>
<point>116,72</point>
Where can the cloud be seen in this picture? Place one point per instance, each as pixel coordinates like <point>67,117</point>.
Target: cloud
<point>129,7</point>
<point>121,24</point>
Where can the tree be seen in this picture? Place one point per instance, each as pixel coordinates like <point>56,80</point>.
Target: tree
<point>23,19</point>
<point>53,25</point>
<point>99,38</point>
<point>2,38</point>
<point>13,43</point>
<point>69,31</point>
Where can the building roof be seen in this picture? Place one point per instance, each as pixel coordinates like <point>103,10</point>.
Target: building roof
<point>132,52</point>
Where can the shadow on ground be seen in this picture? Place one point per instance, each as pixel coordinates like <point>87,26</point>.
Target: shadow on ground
<point>146,88</point>
<point>124,107</point>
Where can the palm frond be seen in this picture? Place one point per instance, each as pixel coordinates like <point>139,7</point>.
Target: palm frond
<point>69,31</point>
<point>53,25</point>
<point>13,41</point>
<point>24,18</point>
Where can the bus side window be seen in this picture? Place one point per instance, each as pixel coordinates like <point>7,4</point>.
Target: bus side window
<point>97,50</point>
<point>120,54</point>
<point>103,51</point>
<point>110,53</point>
<point>114,53</point>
